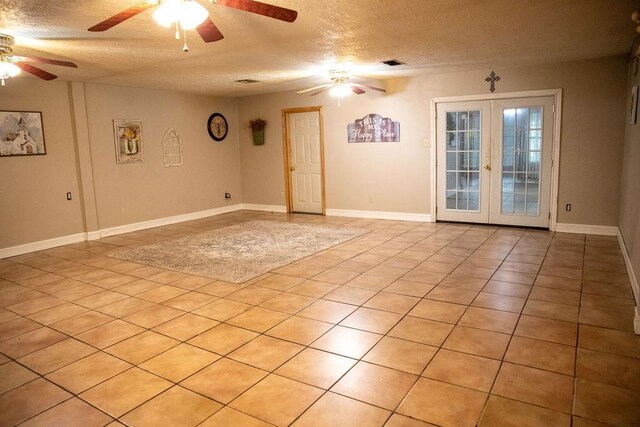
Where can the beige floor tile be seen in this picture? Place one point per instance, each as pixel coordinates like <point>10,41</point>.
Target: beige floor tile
<point>71,413</point>
<point>220,289</point>
<point>125,391</point>
<point>192,282</point>
<point>165,277</point>
<point>277,400</point>
<point>17,327</point>
<point>141,347</point>
<point>551,310</point>
<point>499,302</point>
<point>507,412</point>
<point>253,295</point>
<point>266,353</point>
<point>190,301</point>
<point>299,330</point>
<point>161,293</point>
<point>109,333</point>
<point>59,312</point>
<point>82,322</point>
<point>28,400</point>
<point>402,355</point>
<point>56,356</point>
<point>371,320</point>
<point>542,355</point>
<point>327,311</point>
<point>421,330</point>
<point>153,316</point>
<point>406,287</point>
<point>443,404</point>
<point>335,410</point>
<point>13,375</point>
<point>35,305</point>
<point>222,309</point>
<point>347,342</point>
<point>136,287</point>
<point>350,295</point>
<point>620,319</point>
<point>583,422</point>
<point>376,385</point>
<point>609,341</point>
<point>477,341</point>
<point>558,283</point>
<point>558,296</point>
<point>85,373</point>
<point>395,303</point>
<point>398,420</point>
<point>186,326</point>
<point>30,342</point>
<point>464,282</point>
<point>606,403</point>
<point>335,276</point>
<point>452,295</point>
<point>230,417</point>
<point>621,371</point>
<point>287,303</point>
<point>179,362</point>
<point>507,289</point>
<point>223,339</point>
<point>279,282</point>
<point>100,299</point>
<point>124,307</point>
<point>542,388</point>
<point>438,310</point>
<point>547,330</point>
<point>315,367</point>
<point>175,407</point>
<point>462,369</point>
<point>491,320</point>
<point>312,288</point>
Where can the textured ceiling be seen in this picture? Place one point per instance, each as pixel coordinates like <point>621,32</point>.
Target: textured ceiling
<point>429,35</point>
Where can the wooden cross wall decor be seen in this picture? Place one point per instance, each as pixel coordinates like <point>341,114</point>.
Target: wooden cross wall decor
<point>493,78</point>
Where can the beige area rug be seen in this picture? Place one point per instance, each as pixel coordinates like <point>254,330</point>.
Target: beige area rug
<point>239,252</point>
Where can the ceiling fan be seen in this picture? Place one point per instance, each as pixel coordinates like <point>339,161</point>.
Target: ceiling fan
<point>340,86</point>
<point>189,15</point>
<point>11,65</point>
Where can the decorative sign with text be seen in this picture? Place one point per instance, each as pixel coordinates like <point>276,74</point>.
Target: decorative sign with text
<point>374,128</point>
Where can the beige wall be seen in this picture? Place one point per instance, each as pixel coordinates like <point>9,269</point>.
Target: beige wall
<point>130,193</point>
<point>630,185</point>
<point>33,204</point>
<point>397,175</point>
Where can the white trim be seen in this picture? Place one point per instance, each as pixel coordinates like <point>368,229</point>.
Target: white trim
<point>555,180</point>
<point>93,235</point>
<point>264,208</point>
<point>635,287</point>
<point>41,245</point>
<point>136,226</point>
<point>399,216</point>
<point>600,230</point>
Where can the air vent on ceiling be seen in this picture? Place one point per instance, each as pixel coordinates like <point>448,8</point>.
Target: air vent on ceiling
<point>393,62</point>
<point>246,81</point>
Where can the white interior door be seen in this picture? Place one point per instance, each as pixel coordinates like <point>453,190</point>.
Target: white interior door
<point>494,161</point>
<point>463,148</point>
<point>305,162</point>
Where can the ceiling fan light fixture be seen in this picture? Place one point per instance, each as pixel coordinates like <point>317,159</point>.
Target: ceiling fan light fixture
<point>340,90</point>
<point>8,69</point>
<point>189,13</point>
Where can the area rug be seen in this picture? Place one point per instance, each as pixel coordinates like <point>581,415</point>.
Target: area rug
<point>239,252</point>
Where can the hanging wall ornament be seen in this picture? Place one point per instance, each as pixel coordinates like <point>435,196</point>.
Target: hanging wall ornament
<point>172,148</point>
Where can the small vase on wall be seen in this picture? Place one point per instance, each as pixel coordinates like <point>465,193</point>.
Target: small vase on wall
<point>258,137</point>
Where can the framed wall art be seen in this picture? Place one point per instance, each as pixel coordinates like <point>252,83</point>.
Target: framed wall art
<point>21,134</point>
<point>128,140</point>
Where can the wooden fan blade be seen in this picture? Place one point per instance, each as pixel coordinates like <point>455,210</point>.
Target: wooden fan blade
<point>263,9</point>
<point>314,88</point>
<point>357,90</point>
<point>209,32</point>
<point>36,71</point>
<point>369,87</point>
<point>123,16</point>
<point>321,90</point>
<point>43,61</point>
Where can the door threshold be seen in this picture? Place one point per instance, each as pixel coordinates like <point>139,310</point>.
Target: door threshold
<point>493,225</point>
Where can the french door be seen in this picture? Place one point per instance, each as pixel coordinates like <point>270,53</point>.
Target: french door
<point>494,161</point>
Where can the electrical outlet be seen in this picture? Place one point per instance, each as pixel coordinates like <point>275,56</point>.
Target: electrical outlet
<point>227,196</point>
<point>69,195</point>
<point>568,207</point>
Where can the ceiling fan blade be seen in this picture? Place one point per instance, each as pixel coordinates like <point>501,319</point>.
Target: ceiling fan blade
<point>321,90</point>
<point>369,87</point>
<point>263,9</point>
<point>356,90</point>
<point>43,61</point>
<point>209,32</point>
<point>123,16</point>
<point>314,88</point>
<point>36,71</point>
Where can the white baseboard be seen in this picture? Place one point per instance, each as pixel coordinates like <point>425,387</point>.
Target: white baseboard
<point>635,287</point>
<point>601,230</point>
<point>264,208</point>
<point>398,216</point>
<point>128,228</point>
<point>42,245</point>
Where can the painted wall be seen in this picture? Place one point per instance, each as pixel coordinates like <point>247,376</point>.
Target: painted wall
<point>630,183</point>
<point>33,204</point>
<point>397,176</point>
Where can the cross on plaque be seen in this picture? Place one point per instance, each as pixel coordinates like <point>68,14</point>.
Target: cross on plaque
<point>493,78</point>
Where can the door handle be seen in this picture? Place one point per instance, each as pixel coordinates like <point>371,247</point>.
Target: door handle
<point>487,167</point>
<point>292,168</point>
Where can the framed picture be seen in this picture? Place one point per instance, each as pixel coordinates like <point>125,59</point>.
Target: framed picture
<point>633,106</point>
<point>21,134</point>
<point>128,140</point>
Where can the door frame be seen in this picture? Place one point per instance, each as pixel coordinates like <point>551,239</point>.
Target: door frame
<point>555,159</point>
<point>285,151</point>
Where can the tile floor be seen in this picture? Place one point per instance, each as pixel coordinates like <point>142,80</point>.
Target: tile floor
<point>412,324</point>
